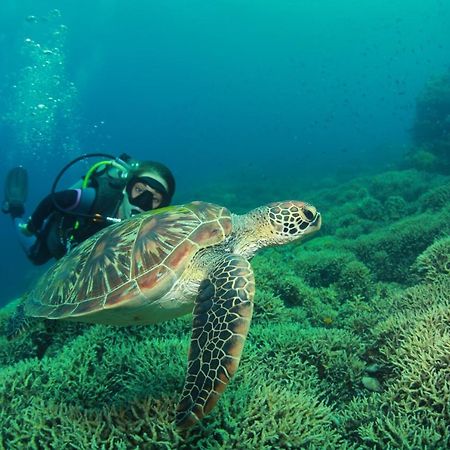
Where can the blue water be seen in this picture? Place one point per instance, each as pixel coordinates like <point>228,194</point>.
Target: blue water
<point>256,90</point>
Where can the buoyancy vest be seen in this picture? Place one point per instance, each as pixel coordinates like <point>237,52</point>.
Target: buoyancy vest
<point>61,232</point>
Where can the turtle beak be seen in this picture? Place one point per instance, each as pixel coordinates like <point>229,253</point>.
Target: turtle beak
<point>314,225</point>
<point>317,223</point>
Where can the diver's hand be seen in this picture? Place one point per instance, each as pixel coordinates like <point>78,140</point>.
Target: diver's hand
<point>24,229</point>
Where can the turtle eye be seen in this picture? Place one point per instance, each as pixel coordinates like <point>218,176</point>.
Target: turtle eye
<point>310,216</point>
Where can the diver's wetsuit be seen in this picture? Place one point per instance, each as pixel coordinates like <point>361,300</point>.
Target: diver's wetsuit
<point>67,200</point>
<point>52,226</point>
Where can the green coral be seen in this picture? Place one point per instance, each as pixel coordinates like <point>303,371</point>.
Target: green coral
<point>435,199</point>
<point>268,307</point>
<point>434,261</point>
<point>414,343</point>
<point>371,209</point>
<point>334,320</point>
<point>421,158</point>
<point>321,268</point>
<point>355,280</point>
<point>286,294</point>
<point>431,128</point>
<point>408,184</point>
<point>118,389</point>
<point>390,252</point>
<point>395,207</point>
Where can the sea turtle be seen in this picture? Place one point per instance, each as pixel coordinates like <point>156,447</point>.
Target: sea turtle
<point>167,263</point>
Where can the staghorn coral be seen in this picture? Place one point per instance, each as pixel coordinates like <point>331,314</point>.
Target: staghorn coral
<point>314,304</point>
<point>351,226</point>
<point>331,359</point>
<point>408,184</point>
<point>395,207</point>
<point>371,209</point>
<point>321,268</point>
<point>414,347</point>
<point>370,203</point>
<point>435,199</point>
<point>270,308</point>
<point>390,252</point>
<point>323,323</point>
<point>421,158</point>
<point>92,405</point>
<point>361,315</point>
<point>355,280</point>
<point>276,417</point>
<point>434,261</point>
<point>277,281</point>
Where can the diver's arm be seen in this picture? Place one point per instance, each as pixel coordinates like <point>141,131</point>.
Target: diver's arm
<point>66,200</point>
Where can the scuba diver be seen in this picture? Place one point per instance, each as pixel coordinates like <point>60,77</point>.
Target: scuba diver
<point>112,190</point>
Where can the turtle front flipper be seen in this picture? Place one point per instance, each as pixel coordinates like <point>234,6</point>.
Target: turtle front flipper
<point>222,315</point>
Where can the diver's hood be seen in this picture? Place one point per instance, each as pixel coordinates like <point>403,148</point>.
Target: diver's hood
<point>152,180</point>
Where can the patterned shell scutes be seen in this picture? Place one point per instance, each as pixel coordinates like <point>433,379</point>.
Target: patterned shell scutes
<point>128,261</point>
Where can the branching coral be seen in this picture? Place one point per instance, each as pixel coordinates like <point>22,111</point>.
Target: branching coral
<point>435,199</point>
<point>408,184</point>
<point>85,395</point>
<point>323,325</point>
<point>321,268</point>
<point>389,253</point>
<point>434,261</point>
<point>413,411</point>
<point>355,280</point>
<point>331,359</point>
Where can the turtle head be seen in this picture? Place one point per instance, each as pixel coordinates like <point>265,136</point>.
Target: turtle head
<point>277,223</point>
<point>291,220</point>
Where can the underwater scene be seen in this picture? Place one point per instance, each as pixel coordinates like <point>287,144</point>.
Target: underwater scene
<point>225,225</point>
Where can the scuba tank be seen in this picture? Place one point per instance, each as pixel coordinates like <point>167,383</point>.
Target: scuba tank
<point>108,177</point>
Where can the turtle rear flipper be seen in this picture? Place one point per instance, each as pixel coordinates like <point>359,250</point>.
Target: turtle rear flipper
<point>18,323</point>
<point>221,319</point>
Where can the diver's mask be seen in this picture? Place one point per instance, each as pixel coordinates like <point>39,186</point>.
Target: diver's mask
<point>144,201</point>
<point>127,209</point>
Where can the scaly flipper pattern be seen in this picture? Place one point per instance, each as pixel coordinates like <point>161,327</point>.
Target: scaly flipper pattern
<point>221,321</point>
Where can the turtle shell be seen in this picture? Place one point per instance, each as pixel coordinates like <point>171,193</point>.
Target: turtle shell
<point>138,259</point>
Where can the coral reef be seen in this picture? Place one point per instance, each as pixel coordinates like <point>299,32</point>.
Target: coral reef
<point>349,345</point>
<point>431,129</point>
<point>414,346</point>
<point>434,261</point>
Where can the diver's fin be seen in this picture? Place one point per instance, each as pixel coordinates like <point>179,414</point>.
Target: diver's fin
<point>16,191</point>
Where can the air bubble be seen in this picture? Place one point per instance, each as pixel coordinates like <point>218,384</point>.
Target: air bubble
<point>43,98</point>
<point>32,19</point>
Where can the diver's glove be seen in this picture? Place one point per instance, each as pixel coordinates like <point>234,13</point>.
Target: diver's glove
<point>26,228</point>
